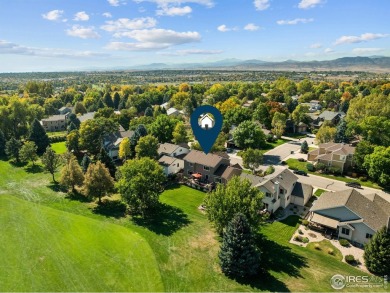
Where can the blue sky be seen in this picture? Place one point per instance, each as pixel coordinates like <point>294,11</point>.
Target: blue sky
<point>55,35</point>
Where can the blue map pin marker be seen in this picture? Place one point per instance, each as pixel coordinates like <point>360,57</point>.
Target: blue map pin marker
<point>206,128</point>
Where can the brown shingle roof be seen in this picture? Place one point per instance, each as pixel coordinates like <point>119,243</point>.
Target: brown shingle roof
<point>199,157</point>
<point>302,190</point>
<point>166,160</point>
<point>167,148</point>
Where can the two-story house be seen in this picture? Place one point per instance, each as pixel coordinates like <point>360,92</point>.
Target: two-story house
<point>351,215</point>
<point>55,123</point>
<point>332,117</point>
<point>171,157</point>
<point>331,154</point>
<point>172,150</point>
<point>197,163</point>
<point>111,142</point>
<point>280,189</point>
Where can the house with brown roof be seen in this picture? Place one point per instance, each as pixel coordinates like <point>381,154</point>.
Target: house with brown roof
<point>280,189</point>
<point>172,150</point>
<point>351,215</point>
<point>204,166</point>
<point>331,154</point>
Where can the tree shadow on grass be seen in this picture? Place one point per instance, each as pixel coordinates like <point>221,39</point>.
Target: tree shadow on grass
<point>56,187</point>
<point>17,164</point>
<point>264,281</point>
<point>172,186</point>
<point>34,169</point>
<point>111,208</point>
<point>165,220</point>
<point>77,196</point>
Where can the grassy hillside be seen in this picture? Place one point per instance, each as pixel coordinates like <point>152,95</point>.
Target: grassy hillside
<point>90,249</point>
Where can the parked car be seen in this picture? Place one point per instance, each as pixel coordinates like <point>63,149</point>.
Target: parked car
<point>300,172</point>
<point>284,163</point>
<point>354,184</point>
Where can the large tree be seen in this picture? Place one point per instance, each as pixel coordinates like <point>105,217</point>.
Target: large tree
<point>39,136</point>
<point>377,253</point>
<point>98,181</point>
<point>72,141</point>
<point>107,161</point>
<point>12,148</point>
<point>28,152</point>
<point>180,133</point>
<point>279,124</point>
<point>140,183</point>
<point>108,100</point>
<point>341,135</point>
<point>71,173</point>
<point>147,147</point>
<point>249,135</point>
<point>237,196</point>
<point>300,114</point>
<point>377,165</point>
<point>2,143</point>
<point>162,128</point>
<point>239,256</point>
<point>363,149</point>
<point>51,161</point>
<point>124,149</point>
<point>252,159</point>
<point>325,134</point>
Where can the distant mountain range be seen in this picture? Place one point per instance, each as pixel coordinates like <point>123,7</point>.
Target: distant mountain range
<point>370,64</point>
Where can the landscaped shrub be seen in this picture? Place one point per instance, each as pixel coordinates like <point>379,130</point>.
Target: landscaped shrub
<point>305,222</point>
<point>334,170</point>
<point>270,138</point>
<point>320,166</point>
<point>344,242</point>
<point>363,179</point>
<point>317,246</point>
<point>310,167</point>
<point>330,251</point>
<point>350,259</point>
<point>305,240</point>
<point>298,238</point>
<point>300,232</point>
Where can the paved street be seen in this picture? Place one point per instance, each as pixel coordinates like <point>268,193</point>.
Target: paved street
<point>278,154</point>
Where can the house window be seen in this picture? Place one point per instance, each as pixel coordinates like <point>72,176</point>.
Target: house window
<point>368,235</point>
<point>206,168</point>
<point>267,194</point>
<point>345,231</point>
<point>288,197</point>
<point>178,164</point>
<point>281,190</point>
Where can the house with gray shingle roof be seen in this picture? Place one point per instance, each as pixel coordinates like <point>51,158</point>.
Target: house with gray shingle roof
<point>331,154</point>
<point>351,215</point>
<point>332,117</point>
<point>172,150</point>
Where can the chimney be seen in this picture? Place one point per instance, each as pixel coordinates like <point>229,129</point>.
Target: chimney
<point>276,187</point>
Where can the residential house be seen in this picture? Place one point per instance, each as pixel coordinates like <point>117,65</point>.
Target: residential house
<point>332,117</point>
<point>86,116</point>
<point>171,165</point>
<point>165,106</point>
<point>331,154</point>
<point>65,110</point>
<point>315,106</point>
<point>55,123</point>
<point>204,167</point>
<point>174,112</point>
<point>349,214</point>
<point>206,122</point>
<point>224,173</point>
<point>281,188</point>
<point>172,150</point>
<point>111,142</point>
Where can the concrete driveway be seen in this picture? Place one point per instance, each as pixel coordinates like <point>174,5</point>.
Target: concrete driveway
<point>280,153</point>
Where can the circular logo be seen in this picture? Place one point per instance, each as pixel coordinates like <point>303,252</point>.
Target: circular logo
<point>337,282</point>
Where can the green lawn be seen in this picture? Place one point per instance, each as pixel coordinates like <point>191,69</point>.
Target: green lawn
<point>296,165</point>
<point>319,191</point>
<point>57,133</point>
<point>59,147</point>
<point>324,246</point>
<point>53,243</point>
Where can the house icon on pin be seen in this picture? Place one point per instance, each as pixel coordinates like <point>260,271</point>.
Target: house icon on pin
<point>206,122</point>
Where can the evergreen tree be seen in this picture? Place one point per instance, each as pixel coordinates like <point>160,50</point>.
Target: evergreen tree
<point>2,143</point>
<point>12,148</point>
<point>149,112</point>
<point>100,104</point>
<point>71,127</point>
<point>85,163</point>
<point>79,108</point>
<point>107,161</point>
<point>341,129</point>
<point>304,147</point>
<point>239,256</point>
<point>141,130</point>
<point>377,253</point>
<point>51,161</point>
<point>108,100</point>
<point>117,100</point>
<point>122,105</point>
<point>39,136</point>
<point>72,118</point>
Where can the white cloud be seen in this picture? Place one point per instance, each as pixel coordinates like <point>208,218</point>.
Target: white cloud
<point>359,39</point>
<point>307,4</point>
<point>160,3</point>
<point>82,32</point>
<point>81,16</point>
<point>54,15</point>
<point>328,50</point>
<point>15,49</point>
<point>223,28</point>
<point>125,24</point>
<point>191,52</point>
<point>251,27</point>
<point>261,4</point>
<point>316,46</point>
<point>294,21</point>
<point>153,39</point>
<point>107,14</point>
<point>174,11</point>
<point>116,2</point>
<point>367,50</point>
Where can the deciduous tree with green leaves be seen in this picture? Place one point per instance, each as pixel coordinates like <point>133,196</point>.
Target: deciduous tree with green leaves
<point>279,124</point>
<point>124,149</point>
<point>28,152</point>
<point>147,147</point>
<point>249,135</point>
<point>252,159</point>
<point>162,128</point>
<point>237,196</point>
<point>98,181</point>
<point>325,134</point>
<point>51,161</point>
<point>2,143</point>
<point>180,133</point>
<point>140,183</point>
<point>71,173</point>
